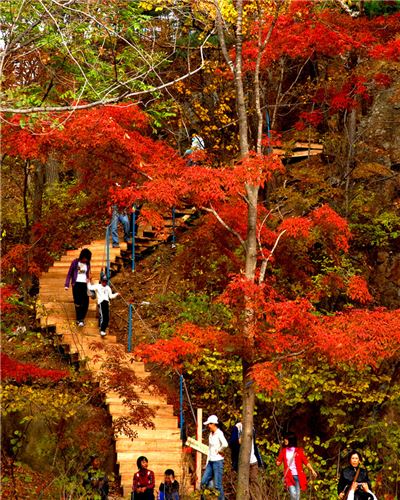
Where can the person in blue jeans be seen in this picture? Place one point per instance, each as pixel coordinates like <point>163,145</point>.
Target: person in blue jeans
<point>121,217</point>
<point>215,460</point>
<point>293,459</point>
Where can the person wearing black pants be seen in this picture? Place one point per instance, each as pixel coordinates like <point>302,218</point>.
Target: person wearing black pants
<point>79,276</point>
<point>103,294</point>
<point>81,301</point>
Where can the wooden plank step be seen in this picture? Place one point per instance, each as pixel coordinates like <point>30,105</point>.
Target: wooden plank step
<point>185,211</point>
<point>148,397</point>
<point>165,423</point>
<point>88,339</point>
<point>159,444</point>
<point>168,460</point>
<point>160,413</point>
<point>311,145</point>
<point>51,306</point>
<point>159,404</point>
<point>296,154</point>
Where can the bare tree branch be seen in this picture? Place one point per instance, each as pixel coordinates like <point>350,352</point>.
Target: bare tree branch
<point>221,37</point>
<point>102,102</point>
<point>264,263</point>
<point>226,226</point>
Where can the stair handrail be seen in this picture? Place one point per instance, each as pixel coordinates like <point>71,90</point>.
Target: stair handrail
<point>133,222</point>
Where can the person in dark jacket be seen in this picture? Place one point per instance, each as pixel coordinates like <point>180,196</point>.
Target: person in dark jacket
<point>255,460</point>
<point>348,475</point>
<point>96,481</point>
<point>79,276</point>
<point>169,489</point>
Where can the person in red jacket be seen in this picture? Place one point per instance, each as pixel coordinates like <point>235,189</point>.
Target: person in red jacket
<point>143,481</point>
<point>293,459</point>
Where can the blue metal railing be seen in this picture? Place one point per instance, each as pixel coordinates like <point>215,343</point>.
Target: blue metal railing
<point>133,220</point>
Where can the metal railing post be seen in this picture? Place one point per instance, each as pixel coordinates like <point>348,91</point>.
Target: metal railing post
<point>133,236</point>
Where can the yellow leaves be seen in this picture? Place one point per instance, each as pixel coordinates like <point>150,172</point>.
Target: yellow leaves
<point>145,5</point>
<point>201,112</point>
<point>228,11</point>
<point>179,87</point>
<point>39,400</point>
<point>154,5</point>
<point>207,8</point>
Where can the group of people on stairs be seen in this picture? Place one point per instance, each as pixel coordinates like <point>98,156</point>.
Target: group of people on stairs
<point>80,278</point>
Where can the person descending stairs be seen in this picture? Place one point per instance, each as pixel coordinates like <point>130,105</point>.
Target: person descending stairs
<point>161,444</point>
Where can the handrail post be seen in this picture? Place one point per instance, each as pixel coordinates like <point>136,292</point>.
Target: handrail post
<point>130,328</point>
<point>181,417</point>
<point>133,236</point>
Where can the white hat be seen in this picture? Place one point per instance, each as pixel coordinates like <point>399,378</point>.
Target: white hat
<point>212,419</point>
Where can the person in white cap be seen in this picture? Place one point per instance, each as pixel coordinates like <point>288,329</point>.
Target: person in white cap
<point>215,460</point>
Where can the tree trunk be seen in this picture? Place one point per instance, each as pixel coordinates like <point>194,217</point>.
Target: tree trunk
<point>52,170</point>
<point>37,183</point>
<point>351,135</point>
<point>240,99</point>
<point>25,193</point>
<point>242,490</point>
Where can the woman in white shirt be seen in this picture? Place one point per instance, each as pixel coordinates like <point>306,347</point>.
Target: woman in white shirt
<point>215,462</point>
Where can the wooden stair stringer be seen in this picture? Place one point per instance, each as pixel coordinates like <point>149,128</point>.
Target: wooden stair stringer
<point>162,444</point>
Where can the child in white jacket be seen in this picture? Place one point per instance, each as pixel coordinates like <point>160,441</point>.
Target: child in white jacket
<point>103,294</point>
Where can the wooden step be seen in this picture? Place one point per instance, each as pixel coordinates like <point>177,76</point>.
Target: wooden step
<point>160,413</point>
<point>156,460</point>
<point>149,442</point>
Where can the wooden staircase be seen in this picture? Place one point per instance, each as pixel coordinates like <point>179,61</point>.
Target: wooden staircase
<point>148,239</point>
<point>299,151</point>
<point>161,445</point>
